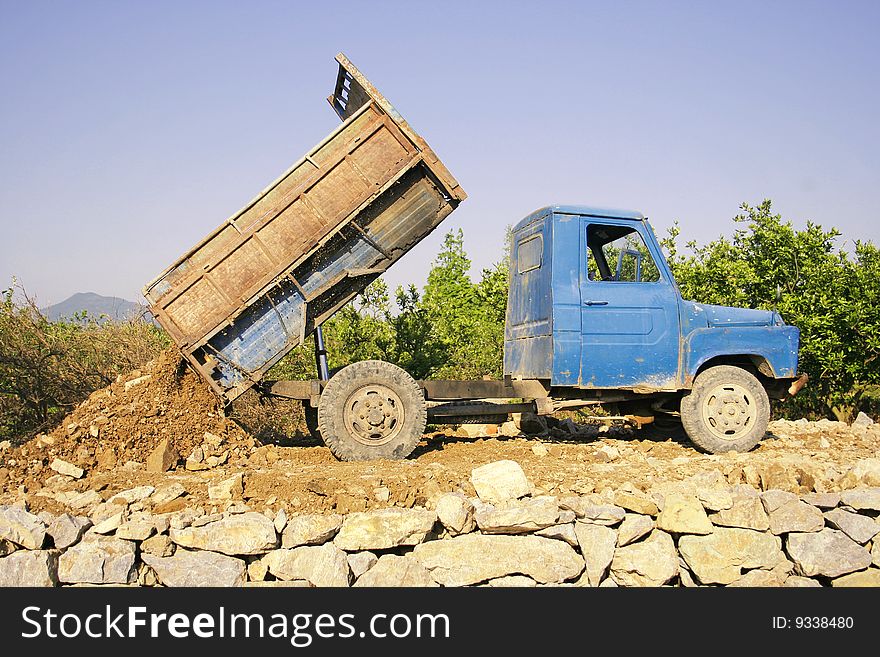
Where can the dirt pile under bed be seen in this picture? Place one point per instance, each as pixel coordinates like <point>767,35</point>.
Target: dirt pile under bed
<point>127,420</point>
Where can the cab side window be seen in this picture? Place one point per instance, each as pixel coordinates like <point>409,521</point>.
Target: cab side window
<point>619,254</point>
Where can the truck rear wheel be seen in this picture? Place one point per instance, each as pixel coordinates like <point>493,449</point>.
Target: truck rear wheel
<point>371,410</point>
<point>727,410</point>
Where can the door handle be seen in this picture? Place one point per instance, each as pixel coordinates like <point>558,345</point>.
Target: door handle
<point>595,303</point>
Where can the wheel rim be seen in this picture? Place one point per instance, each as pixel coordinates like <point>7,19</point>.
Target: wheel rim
<point>730,411</point>
<point>374,415</point>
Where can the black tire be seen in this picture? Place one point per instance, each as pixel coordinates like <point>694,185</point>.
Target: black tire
<point>727,410</point>
<point>449,418</point>
<point>372,410</point>
<point>312,421</point>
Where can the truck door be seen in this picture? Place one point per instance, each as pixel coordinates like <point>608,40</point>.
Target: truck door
<point>629,308</point>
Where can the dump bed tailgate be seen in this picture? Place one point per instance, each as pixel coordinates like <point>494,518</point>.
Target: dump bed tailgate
<point>328,226</point>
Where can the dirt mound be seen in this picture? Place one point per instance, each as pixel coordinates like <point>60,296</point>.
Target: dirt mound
<point>127,420</point>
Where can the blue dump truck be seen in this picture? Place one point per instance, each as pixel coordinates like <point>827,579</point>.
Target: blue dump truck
<point>594,316</point>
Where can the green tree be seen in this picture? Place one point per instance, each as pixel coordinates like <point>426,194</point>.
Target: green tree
<point>831,297</point>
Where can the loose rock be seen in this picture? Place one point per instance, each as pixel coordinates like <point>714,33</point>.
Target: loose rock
<point>633,528</point>
<point>865,578</point>
<point>187,568</point>
<point>310,529</point>
<point>652,562</point>
<point>228,489</point>
<point>320,565</point>
<point>393,570</point>
<point>66,530</point>
<point>721,557</point>
<point>456,513</point>
<point>683,514</point>
<point>597,546</point>
<point>98,560</point>
<point>746,513</point>
<point>361,562</point>
<point>384,528</point>
<point>830,553</point>
<point>474,558</point>
<point>29,568</point>
<point>859,528</point>
<point>241,534</point>
<point>796,516</point>
<point>67,469</point>
<point>500,481</point>
<point>22,528</point>
<point>517,517</point>
<point>163,458</point>
<point>864,499</point>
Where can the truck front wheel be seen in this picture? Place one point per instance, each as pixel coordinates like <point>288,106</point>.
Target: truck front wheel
<point>371,410</point>
<point>727,410</point>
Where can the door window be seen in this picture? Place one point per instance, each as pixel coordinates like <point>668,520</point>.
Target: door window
<point>619,254</point>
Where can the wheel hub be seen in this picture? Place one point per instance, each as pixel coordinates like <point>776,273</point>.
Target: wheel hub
<point>373,415</point>
<point>729,411</point>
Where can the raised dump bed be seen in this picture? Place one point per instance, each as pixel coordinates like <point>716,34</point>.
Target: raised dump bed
<point>254,288</point>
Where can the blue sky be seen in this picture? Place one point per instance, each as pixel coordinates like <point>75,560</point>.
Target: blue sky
<point>129,130</point>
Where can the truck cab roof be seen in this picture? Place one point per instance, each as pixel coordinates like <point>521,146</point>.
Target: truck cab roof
<point>585,210</point>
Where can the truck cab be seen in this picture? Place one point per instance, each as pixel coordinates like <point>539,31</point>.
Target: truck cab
<point>593,307</point>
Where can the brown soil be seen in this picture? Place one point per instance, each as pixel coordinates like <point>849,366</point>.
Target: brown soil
<point>175,404</point>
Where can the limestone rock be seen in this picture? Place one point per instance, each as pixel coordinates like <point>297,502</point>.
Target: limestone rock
<point>29,568</point>
<point>773,499</point>
<point>861,529</point>
<point>22,528</point>
<point>392,570</point>
<point>280,520</point>
<point>560,533</point>
<point>512,581</point>
<point>310,529</point>
<point>683,514</point>
<point>98,560</point>
<point>864,578</point>
<point>597,547</point>
<point>320,565</point>
<point>384,528</point>
<point>200,568</point>
<point>167,493</point>
<point>652,562</point>
<point>67,469</point>
<point>715,499</point>
<point>746,512</point>
<point>822,500</point>
<point>721,557</point>
<point>241,534</point>
<point>796,581</point>
<point>829,552</point>
<point>163,458</point>
<point>473,558</point>
<point>796,516</point>
<point>159,546</point>
<point>636,503</point>
<point>875,553</point>
<point>633,528</point>
<point>456,513</point>
<point>66,529</point>
<point>865,472</point>
<point>361,562</point>
<point>862,499</point>
<point>758,577</point>
<point>777,475</point>
<point>136,530</point>
<point>228,489</point>
<point>598,514</point>
<point>110,524</point>
<point>518,516</point>
<point>500,481</point>
<point>862,420</point>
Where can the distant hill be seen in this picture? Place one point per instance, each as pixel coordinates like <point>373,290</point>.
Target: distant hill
<point>96,306</point>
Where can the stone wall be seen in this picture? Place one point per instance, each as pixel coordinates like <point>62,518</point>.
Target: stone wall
<point>700,531</point>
